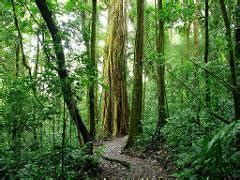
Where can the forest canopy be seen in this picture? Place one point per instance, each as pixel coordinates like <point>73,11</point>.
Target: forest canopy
<point>119,89</point>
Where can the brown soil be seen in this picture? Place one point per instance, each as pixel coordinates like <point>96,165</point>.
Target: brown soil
<point>116,164</point>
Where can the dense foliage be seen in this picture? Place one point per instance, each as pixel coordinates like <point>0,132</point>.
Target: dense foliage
<point>39,137</point>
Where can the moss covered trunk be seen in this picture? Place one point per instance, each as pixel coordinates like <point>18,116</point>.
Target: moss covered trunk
<point>115,105</point>
<point>137,93</point>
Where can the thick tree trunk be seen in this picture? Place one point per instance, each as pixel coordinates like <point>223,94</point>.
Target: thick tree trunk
<point>232,61</point>
<point>66,85</point>
<point>119,90</point>
<point>115,105</point>
<point>161,75</point>
<point>107,120</point>
<point>137,93</point>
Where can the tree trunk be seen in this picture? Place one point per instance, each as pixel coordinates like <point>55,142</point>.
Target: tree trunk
<point>196,29</point>
<point>187,31</point>
<point>207,90</point>
<point>136,107</point>
<point>91,91</point>
<point>90,51</point>
<point>232,61</point>
<point>161,74</point>
<point>64,127</point>
<point>107,93</point>
<point>66,85</point>
<point>237,46</point>
<point>196,106</point>
<point>115,105</point>
<point>17,59</point>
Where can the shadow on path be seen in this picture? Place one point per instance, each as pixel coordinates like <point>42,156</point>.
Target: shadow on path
<point>138,167</point>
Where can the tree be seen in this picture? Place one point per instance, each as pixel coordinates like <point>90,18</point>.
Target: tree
<point>196,29</point>
<point>161,74</point>
<point>137,93</point>
<point>94,71</point>
<point>207,90</point>
<point>90,44</point>
<point>115,104</point>
<point>232,61</point>
<point>237,35</point>
<point>66,85</point>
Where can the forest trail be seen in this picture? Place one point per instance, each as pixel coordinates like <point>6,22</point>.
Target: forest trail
<point>139,168</point>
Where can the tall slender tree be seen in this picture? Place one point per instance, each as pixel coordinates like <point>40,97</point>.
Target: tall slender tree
<point>232,61</point>
<point>196,29</point>
<point>237,35</point>
<point>161,73</point>
<point>207,88</point>
<point>91,90</point>
<point>137,92</point>
<point>66,85</point>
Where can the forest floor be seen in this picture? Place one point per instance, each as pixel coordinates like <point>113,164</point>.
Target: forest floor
<point>116,164</point>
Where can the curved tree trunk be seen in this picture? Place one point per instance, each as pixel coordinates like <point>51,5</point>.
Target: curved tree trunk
<point>66,85</point>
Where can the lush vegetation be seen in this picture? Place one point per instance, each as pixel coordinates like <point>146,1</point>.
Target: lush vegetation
<point>74,72</point>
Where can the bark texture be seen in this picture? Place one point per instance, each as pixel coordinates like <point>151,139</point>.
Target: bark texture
<point>207,89</point>
<point>91,91</point>
<point>237,33</point>
<point>66,85</point>
<point>137,93</point>
<point>232,61</point>
<point>115,105</point>
<point>196,28</point>
<point>161,74</point>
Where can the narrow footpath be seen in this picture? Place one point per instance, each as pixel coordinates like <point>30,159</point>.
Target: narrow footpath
<point>135,167</point>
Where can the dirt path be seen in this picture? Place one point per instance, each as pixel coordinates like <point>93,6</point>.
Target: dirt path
<point>140,168</point>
